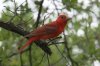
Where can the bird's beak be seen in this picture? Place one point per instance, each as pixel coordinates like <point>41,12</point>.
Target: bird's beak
<point>69,18</point>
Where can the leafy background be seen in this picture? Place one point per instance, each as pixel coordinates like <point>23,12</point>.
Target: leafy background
<point>82,35</point>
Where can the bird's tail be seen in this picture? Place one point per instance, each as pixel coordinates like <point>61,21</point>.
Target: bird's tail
<point>26,45</point>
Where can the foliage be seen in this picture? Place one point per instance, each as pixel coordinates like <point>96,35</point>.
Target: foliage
<point>81,46</point>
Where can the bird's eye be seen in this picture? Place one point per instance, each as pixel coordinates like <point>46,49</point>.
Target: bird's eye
<point>62,17</point>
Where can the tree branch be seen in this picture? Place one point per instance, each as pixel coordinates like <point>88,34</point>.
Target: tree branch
<point>40,10</point>
<point>37,22</point>
<point>11,27</point>
<point>73,62</point>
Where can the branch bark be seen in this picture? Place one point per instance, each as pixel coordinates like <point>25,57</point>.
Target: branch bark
<point>73,62</point>
<point>40,10</point>
<point>11,27</point>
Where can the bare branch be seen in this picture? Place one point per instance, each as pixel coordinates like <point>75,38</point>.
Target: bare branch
<point>48,60</point>
<point>68,52</point>
<point>30,55</point>
<point>11,27</point>
<point>40,10</point>
<point>41,60</point>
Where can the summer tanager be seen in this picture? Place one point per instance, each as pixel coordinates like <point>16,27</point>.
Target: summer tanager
<point>47,31</point>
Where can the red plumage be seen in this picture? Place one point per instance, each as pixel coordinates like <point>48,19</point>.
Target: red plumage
<point>47,31</point>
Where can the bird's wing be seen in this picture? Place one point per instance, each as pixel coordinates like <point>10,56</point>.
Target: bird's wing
<point>44,30</point>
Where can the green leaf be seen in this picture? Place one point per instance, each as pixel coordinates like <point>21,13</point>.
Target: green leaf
<point>74,1</point>
<point>65,1</point>
<point>37,2</point>
<point>76,25</point>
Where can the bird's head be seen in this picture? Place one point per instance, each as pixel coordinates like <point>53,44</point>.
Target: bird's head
<point>63,17</point>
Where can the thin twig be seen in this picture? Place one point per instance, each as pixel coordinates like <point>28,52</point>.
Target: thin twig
<point>41,59</point>
<point>40,10</point>
<point>21,61</point>
<point>61,53</point>
<point>54,64</point>
<point>48,60</point>
<point>53,43</point>
<point>68,52</point>
<point>55,7</point>
<point>11,27</point>
<point>45,18</point>
<point>30,55</point>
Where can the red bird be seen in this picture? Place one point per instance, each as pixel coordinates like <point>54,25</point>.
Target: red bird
<point>47,31</point>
